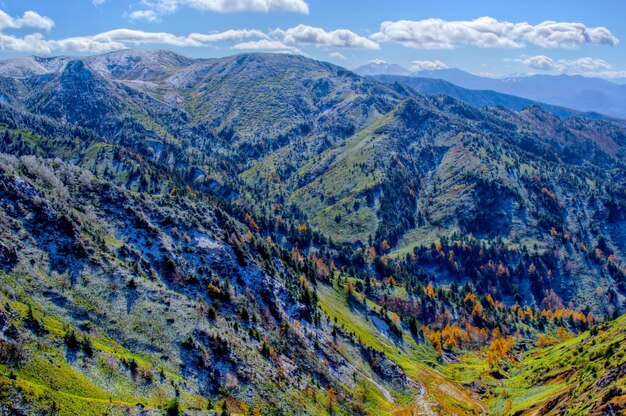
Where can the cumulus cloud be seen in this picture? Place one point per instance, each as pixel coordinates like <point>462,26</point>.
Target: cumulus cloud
<point>266,44</point>
<point>340,38</point>
<point>155,8</point>
<point>337,55</point>
<point>147,15</point>
<point>139,37</point>
<point>283,40</point>
<point>587,65</point>
<point>427,65</point>
<point>232,34</point>
<point>584,65</point>
<point>119,39</point>
<point>487,32</point>
<point>28,19</point>
<point>540,63</point>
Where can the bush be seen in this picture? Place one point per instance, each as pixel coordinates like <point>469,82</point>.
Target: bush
<point>71,340</point>
<point>172,408</point>
<point>11,353</point>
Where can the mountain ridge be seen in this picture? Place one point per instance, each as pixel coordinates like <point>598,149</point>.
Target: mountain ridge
<point>270,234</point>
<point>572,91</point>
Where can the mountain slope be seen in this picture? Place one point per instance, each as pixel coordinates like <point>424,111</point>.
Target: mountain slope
<point>483,98</point>
<point>268,230</point>
<point>562,375</point>
<point>571,91</point>
<point>143,299</point>
<point>345,153</point>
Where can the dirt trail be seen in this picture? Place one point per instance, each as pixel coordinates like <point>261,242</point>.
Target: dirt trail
<point>423,406</point>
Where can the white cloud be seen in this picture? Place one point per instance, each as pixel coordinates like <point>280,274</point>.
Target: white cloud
<point>81,44</point>
<point>584,65</point>
<point>36,43</point>
<point>337,55</point>
<point>340,38</point>
<point>232,34</point>
<point>139,37</point>
<point>119,39</point>
<point>155,8</point>
<point>284,40</point>
<point>541,63</point>
<point>377,61</point>
<point>98,2</point>
<point>614,74</point>
<point>587,65</point>
<point>427,65</point>
<point>487,32</point>
<point>147,15</point>
<point>28,19</point>
<point>266,44</point>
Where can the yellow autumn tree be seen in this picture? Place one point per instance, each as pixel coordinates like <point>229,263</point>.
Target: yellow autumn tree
<point>435,338</point>
<point>332,399</point>
<point>563,334</point>
<point>498,350</point>
<point>392,281</point>
<point>451,335</point>
<point>478,310</point>
<point>545,341</point>
<point>430,290</point>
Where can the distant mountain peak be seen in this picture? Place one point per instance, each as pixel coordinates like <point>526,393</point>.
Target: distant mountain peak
<point>578,92</point>
<point>381,67</point>
<point>139,64</point>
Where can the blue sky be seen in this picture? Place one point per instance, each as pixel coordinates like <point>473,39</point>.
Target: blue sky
<point>481,36</point>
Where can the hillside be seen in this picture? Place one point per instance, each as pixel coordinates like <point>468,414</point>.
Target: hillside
<point>571,375</point>
<point>484,98</point>
<point>118,301</point>
<point>269,234</point>
<point>585,94</point>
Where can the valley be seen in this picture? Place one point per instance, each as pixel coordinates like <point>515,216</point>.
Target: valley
<point>267,234</point>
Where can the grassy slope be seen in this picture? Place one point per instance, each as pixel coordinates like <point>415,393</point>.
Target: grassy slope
<point>579,376</point>
<point>414,358</point>
<point>51,373</point>
<point>569,374</point>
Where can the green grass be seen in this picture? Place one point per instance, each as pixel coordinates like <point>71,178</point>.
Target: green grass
<point>563,374</point>
<point>412,357</point>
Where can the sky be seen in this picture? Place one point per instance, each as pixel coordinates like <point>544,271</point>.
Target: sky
<point>485,37</point>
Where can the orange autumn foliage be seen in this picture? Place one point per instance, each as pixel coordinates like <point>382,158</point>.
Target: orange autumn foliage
<point>430,290</point>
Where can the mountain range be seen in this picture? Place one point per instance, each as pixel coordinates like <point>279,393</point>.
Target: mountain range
<point>571,91</point>
<point>270,234</point>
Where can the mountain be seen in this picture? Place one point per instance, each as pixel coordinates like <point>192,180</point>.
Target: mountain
<point>483,98</point>
<point>576,92</point>
<point>139,65</point>
<point>571,91</point>
<point>376,68</point>
<point>269,234</point>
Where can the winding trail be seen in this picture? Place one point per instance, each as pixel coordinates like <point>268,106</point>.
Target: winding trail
<point>423,406</point>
